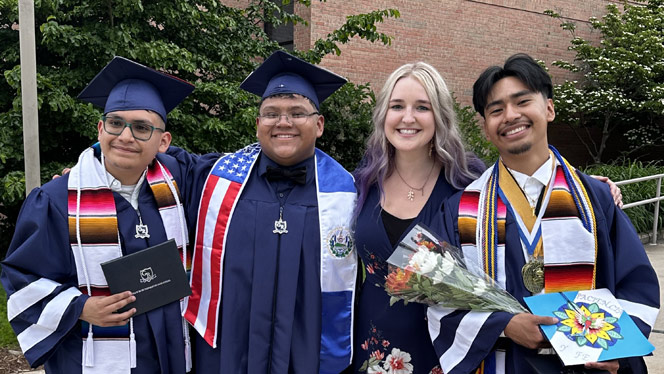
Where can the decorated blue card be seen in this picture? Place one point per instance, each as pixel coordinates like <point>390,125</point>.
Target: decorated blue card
<point>592,326</point>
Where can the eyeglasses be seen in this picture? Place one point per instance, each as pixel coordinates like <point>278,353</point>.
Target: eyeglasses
<point>140,130</point>
<point>292,118</point>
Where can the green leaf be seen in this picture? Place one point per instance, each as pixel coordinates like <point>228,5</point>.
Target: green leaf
<point>614,335</point>
<point>602,343</point>
<point>560,315</point>
<point>581,341</point>
<point>564,328</point>
<point>593,308</point>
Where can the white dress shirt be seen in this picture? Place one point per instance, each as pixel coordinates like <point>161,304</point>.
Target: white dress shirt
<point>532,185</point>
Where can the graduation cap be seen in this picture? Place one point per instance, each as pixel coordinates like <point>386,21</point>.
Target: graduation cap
<point>282,73</point>
<point>127,85</point>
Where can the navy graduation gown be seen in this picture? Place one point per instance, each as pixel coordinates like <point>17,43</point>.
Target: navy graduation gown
<point>270,313</point>
<point>622,267</point>
<point>40,248</point>
<point>379,327</point>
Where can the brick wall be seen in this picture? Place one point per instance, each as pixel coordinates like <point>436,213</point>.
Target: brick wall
<point>459,37</point>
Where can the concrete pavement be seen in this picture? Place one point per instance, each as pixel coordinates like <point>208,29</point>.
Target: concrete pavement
<point>656,361</point>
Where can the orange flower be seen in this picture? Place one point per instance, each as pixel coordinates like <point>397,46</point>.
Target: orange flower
<point>397,280</point>
<point>427,244</point>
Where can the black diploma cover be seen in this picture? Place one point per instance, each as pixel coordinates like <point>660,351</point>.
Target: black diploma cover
<point>154,275</point>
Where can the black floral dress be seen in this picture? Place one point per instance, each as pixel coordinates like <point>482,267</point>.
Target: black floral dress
<point>391,339</point>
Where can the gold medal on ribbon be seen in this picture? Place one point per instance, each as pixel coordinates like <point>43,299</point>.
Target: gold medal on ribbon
<point>533,275</point>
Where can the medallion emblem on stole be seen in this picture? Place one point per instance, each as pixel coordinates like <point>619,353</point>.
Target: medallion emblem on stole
<point>340,242</point>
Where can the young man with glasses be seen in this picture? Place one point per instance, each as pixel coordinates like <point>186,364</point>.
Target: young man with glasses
<point>274,270</point>
<point>121,197</point>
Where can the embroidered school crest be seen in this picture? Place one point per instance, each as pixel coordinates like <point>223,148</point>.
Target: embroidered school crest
<point>147,275</point>
<point>340,242</point>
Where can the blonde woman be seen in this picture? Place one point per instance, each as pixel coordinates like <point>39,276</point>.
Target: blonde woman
<point>415,159</point>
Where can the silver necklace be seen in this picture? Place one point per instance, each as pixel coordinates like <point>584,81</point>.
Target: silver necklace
<point>280,226</point>
<point>411,189</point>
<point>141,229</point>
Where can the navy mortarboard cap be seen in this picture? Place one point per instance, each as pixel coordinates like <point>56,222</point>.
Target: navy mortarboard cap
<point>282,73</point>
<point>127,85</point>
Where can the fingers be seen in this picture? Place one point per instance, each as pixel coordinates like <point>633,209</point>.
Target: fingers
<point>117,301</point>
<point>101,310</point>
<point>64,171</point>
<point>610,366</point>
<point>543,320</point>
<point>119,319</point>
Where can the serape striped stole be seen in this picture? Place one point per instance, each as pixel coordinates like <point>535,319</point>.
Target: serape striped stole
<point>94,238</point>
<point>568,231</point>
<point>336,198</point>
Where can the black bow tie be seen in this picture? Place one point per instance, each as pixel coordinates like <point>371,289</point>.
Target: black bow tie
<point>297,175</point>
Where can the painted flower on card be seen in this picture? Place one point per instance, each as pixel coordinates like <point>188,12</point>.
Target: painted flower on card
<point>398,362</point>
<point>397,280</point>
<point>588,325</point>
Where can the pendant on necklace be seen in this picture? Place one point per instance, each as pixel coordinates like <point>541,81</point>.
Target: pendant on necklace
<point>411,194</point>
<point>141,230</point>
<point>280,225</point>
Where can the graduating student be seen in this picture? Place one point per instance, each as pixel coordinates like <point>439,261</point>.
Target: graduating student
<point>546,227</point>
<point>274,270</point>
<point>415,160</point>
<point>121,197</point>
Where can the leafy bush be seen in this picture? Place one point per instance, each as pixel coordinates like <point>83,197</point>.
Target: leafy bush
<point>205,42</point>
<point>473,134</point>
<point>642,215</point>
<point>347,124</point>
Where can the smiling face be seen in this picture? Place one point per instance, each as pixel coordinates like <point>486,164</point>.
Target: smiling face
<point>288,143</point>
<point>516,119</point>
<point>125,157</point>
<point>409,122</point>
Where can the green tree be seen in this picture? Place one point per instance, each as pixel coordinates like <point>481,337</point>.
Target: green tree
<point>473,134</point>
<point>621,90</point>
<point>213,45</point>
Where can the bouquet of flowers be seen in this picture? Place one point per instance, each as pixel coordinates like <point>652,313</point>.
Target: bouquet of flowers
<point>427,270</point>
